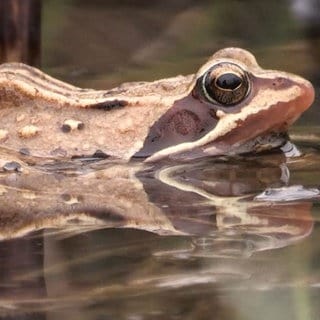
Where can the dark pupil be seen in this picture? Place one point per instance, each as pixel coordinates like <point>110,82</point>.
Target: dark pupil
<point>228,81</point>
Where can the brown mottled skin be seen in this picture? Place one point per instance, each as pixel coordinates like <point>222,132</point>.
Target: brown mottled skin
<point>172,117</point>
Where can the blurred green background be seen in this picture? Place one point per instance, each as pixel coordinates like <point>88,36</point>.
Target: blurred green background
<point>101,44</point>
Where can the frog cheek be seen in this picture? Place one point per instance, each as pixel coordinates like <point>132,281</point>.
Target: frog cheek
<point>186,121</point>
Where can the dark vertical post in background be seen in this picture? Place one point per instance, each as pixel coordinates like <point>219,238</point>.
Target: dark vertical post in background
<point>20,41</point>
<point>20,31</point>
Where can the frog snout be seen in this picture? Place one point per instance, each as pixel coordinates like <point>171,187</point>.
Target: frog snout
<point>308,95</point>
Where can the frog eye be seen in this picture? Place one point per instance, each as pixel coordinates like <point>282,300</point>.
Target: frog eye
<point>225,84</point>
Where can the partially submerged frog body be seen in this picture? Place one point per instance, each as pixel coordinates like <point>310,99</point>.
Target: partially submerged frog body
<point>230,105</point>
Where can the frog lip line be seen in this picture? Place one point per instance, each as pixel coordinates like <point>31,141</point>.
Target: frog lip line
<point>293,107</point>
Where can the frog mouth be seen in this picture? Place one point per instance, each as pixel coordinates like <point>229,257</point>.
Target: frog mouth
<point>266,142</point>
<point>263,143</point>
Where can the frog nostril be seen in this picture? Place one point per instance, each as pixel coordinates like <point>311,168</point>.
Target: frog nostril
<point>281,83</point>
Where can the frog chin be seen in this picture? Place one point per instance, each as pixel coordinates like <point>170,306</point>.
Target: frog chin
<point>268,141</point>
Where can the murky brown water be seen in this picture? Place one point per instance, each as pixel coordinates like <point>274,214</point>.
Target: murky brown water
<point>101,240</point>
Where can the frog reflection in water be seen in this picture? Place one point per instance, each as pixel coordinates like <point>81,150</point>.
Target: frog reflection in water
<point>229,106</point>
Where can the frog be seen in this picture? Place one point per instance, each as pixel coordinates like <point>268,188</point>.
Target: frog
<point>229,106</point>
